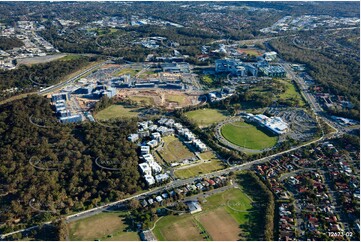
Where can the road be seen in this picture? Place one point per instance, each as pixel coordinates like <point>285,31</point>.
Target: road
<point>177,183</point>
<point>172,184</point>
<point>315,106</point>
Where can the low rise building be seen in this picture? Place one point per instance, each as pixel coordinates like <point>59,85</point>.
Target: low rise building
<point>60,96</point>
<point>71,119</point>
<point>143,134</point>
<point>233,66</point>
<point>194,207</point>
<point>199,145</point>
<point>273,71</point>
<point>156,136</point>
<point>153,143</point>
<point>158,199</point>
<point>156,168</point>
<point>165,131</point>
<point>153,127</point>
<point>145,169</point>
<point>144,149</point>
<point>270,56</point>
<point>161,177</point>
<point>149,180</point>
<point>133,137</point>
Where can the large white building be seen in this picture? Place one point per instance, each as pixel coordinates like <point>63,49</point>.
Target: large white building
<point>156,168</point>
<point>161,177</point>
<point>149,179</point>
<point>270,56</point>
<point>145,169</point>
<point>230,65</point>
<point>200,145</point>
<point>145,149</point>
<point>275,124</point>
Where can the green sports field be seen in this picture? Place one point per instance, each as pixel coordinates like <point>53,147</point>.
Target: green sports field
<point>205,117</point>
<point>248,136</point>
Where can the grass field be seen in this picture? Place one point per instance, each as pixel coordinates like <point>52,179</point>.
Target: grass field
<point>127,71</point>
<point>145,100</point>
<point>146,74</point>
<point>248,136</point>
<point>207,80</point>
<point>214,165</point>
<point>174,150</point>
<point>216,220</point>
<point>208,155</point>
<point>206,117</point>
<point>177,98</point>
<point>291,92</point>
<point>103,226</point>
<point>117,111</point>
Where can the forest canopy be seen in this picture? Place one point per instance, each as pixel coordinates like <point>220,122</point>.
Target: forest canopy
<point>8,43</point>
<point>51,167</point>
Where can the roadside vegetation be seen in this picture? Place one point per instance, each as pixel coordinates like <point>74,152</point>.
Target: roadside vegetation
<point>8,43</point>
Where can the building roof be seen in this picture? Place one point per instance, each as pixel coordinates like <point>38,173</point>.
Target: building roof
<point>144,167</point>
<point>194,207</point>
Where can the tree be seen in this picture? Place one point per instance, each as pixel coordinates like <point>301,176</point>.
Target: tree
<point>134,204</point>
<point>62,230</point>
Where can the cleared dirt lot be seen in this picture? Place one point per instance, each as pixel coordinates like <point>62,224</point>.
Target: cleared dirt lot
<point>178,228</point>
<point>40,59</point>
<point>168,99</point>
<point>220,225</point>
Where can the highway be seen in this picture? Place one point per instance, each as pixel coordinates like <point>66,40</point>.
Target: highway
<point>58,86</point>
<point>315,106</point>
